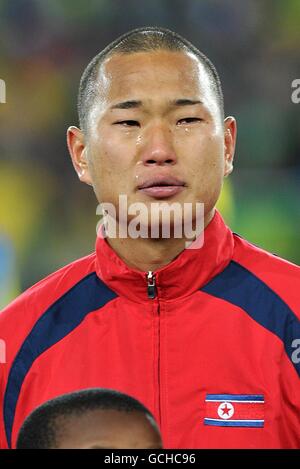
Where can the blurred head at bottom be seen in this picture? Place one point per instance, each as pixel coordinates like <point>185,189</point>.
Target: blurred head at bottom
<point>90,419</point>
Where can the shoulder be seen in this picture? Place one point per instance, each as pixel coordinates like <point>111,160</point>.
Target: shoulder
<point>17,319</point>
<point>280,275</point>
<point>261,260</point>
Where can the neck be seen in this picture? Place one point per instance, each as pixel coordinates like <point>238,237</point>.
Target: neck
<point>148,254</point>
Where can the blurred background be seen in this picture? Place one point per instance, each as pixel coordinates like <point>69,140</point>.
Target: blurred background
<point>47,218</point>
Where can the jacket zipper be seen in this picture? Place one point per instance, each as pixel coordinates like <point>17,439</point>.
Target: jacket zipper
<point>152,294</point>
<point>151,288</point>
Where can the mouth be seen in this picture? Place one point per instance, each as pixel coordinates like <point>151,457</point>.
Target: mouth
<point>162,187</point>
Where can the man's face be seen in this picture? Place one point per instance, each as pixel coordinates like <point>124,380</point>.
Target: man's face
<point>156,122</point>
<point>108,429</point>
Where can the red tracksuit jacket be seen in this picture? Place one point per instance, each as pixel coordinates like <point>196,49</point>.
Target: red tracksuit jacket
<point>215,355</point>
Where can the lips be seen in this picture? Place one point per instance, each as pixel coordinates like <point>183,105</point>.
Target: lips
<point>162,186</point>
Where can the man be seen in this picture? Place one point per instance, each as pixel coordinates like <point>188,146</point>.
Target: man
<point>90,419</point>
<point>205,336</point>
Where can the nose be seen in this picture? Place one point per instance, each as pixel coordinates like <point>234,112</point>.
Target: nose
<point>158,147</point>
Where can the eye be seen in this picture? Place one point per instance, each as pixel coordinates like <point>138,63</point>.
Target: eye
<point>128,123</point>
<point>189,120</point>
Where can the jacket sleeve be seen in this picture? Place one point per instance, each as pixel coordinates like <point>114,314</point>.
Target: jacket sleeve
<point>8,347</point>
<point>3,442</point>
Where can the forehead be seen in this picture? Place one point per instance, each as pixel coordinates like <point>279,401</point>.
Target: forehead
<point>157,74</point>
<point>107,421</point>
<point>107,424</point>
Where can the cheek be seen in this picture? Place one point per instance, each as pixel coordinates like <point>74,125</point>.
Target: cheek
<point>207,167</point>
<point>206,154</point>
<point>110,159</point>
<point>110,168</point>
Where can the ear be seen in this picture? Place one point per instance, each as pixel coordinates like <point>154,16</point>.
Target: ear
<point>230,130</point>
<point>78,150</point>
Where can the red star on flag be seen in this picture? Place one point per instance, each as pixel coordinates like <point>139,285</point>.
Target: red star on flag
<point>225,409</point>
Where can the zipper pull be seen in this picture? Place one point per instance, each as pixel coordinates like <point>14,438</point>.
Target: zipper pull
<point>151,285</point>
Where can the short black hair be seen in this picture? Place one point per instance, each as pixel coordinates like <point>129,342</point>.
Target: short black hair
<point>40,429</point>
<point>144,39</point>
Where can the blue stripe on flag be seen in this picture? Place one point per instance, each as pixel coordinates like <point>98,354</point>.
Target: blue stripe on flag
<point>235,397</point>
<point>234,423</point>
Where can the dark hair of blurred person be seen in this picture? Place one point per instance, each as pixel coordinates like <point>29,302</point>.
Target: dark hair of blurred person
<point>90,419</point>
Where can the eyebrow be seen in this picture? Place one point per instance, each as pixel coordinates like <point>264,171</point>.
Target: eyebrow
<point>186,102</point>
<point>133,104</point>
<point>127,105</point>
